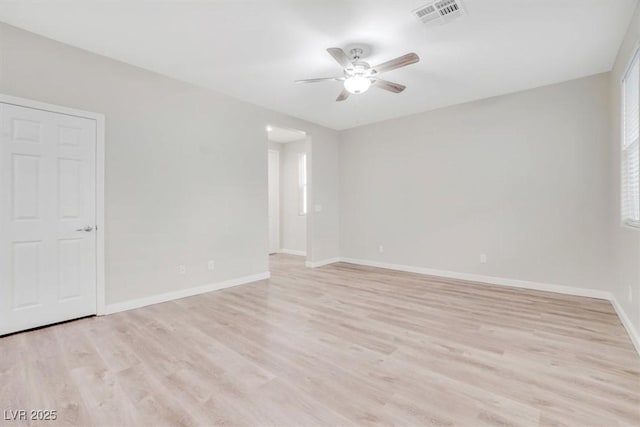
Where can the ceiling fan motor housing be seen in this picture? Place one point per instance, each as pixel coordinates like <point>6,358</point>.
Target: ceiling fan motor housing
<point>359,68</point>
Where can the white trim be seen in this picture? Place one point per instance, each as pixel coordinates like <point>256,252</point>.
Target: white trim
<point>634,336</point>
<point>292,252</point>
<point>635,51</point>
<point>631,224</point>
<point>625,222</point>
<point>478,279</point>
<point>500,281</point>
<point>30,103</point>
<point>631,330</point>
<point>270,174</point>
<point>310,221</point>
<point>100,221</point>
<point>100,158</point>
<point>183,293</point>
<point>314,264</point>
<point>303,188</point>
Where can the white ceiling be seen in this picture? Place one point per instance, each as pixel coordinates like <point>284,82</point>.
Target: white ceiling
<point>254,50</point>
<point>282,135</point>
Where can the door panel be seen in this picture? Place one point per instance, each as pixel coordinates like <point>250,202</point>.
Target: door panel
<point>26,278</point>
<point>25,130</point>
<point>26,188</point>
<point>48,195</point>
<point>69,268</point>
<point>69,178</point>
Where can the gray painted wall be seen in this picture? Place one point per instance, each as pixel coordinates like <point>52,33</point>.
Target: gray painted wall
<point>186,168</point>
<point>626,242</point>
<point>523,178</point>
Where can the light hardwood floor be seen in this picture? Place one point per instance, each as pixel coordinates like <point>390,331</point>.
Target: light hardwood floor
<point>337,345</point>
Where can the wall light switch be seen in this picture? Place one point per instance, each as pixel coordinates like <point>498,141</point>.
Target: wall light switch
<point>380,248</point>
<point>211,265</point>
<point>483,258</point>
<point>318,208</point>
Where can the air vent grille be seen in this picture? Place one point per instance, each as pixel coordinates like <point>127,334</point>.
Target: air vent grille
<point>440,11</point>
<point>447,7</point>
<point>425,11</point>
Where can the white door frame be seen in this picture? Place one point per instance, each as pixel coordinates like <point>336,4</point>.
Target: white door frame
<point>310,203</point>
<point>277,173</point>
<point>100,120</point>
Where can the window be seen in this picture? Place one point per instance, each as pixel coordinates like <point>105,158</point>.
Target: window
<point>302,184</point>
<point>630,179</point>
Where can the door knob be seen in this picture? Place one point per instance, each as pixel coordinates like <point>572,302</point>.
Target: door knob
<point>86,229</point>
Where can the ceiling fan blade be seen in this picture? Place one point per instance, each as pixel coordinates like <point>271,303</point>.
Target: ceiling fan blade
<point>390,86</point>
<point>343,95</point>
<point>321,79</point>
<point>341,57</point>
<point>401,61</point>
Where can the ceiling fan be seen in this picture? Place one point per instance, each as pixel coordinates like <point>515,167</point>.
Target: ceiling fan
<point>359,76</point>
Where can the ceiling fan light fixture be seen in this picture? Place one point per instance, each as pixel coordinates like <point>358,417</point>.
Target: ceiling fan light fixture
<point>359,76</point>
<point>357,84</point>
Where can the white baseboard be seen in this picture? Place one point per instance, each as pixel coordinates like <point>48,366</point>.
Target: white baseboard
<point>292,252</point>
<point>626,322</point>
<point>183,293</point>
<point>560,289</point>
<point>567,290</point>
<point>314,264</point>
<point>500,281</point>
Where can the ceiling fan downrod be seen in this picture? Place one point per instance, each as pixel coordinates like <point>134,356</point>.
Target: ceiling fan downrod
<point>356,53</point>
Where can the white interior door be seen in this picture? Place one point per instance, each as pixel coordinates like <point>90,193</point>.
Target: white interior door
<point>274,201</point>
<point>47,217</point>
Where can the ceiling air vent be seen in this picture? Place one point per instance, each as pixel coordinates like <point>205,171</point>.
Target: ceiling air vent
<point>440,11</point>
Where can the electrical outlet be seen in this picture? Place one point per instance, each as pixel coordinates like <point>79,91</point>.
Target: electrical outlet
<point>630,294</point>
<point>211,265</point>
<point>381,249</point>
<point>483,258</point>
<point>182,269</point>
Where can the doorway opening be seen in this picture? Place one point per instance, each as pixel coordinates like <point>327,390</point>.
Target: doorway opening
<point>289,191</point>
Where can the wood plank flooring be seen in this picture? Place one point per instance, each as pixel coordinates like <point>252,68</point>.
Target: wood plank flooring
<point>339,345</point>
